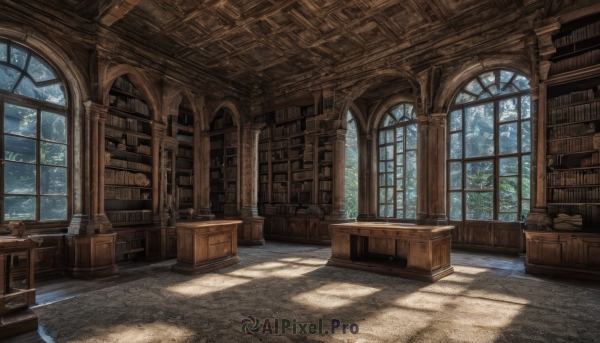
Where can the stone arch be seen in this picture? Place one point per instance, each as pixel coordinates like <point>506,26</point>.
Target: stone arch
<point>376,115</point>
<point>139,80</point>
<point>232,104</point>
<point>359,118</point>
<point>452,83</point>
<point>173,100</point>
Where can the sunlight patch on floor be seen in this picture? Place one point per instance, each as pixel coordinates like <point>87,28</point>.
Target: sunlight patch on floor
<point>151,332</point>
<point>334,294</point>
<point>206,284</point>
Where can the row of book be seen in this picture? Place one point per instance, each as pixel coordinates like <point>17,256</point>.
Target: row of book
<point>590,213</point>
<point>216,161</point>
<point>113,162</point>
<point>289,113</point>
<point>231,138</point>
<point>119,193</point>
<point>571,98</point>
<point>125,178</point>
<point>143,149</point>
<point>186,153</point>
<point>581,33</point>
<point>297,165</point>
<point>573,178</point>
<point>280,177</point>
<point>571,145</point>
<point>280,187</point>
<point>263,197</point>
<point>186,180</point>
<point>327,156</point>
<point>297,141</point>
<point>265,133</point>
<point>304,198</point>
<point>227,197</point>
<point>302,186</point>
<point>307,174</point>
<point>587,59</point>
<point>185,164</point>
<point>221,123</point>
<point>125,247</point>
<point>280,167</point>
<point>186,195</point>
<point>289,129</point>
<point>128,104</point>
<point>576,113</point>
<point>125,123</point>
<point>216,144</point>
<point>129,216</point>
<point>574,195</point>
<point>325,185</point>
<point>280,144</point>
<point>591,161</point>
<point>296,153</point>
<point>231,173</point>
<point>280,154</point>
<point>263,168</point>
<point>215,174</point>
<point>286,208</point>
<point>263,156</point>
<point>263,178</point>
<point>124,85</point>
<point>325,171</point>
<point>324,197</point>
<point>263,146</point>
<point>280,197</point>
<point>263,187</point>
<point>572,131</point>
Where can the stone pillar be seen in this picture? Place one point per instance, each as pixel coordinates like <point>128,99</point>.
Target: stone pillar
<point>365,199</point>
<point>158,134</point>
<point>422,169</point>
<point>338,208</point>
<point>252,228</point>
<point>436,171</point>
<point>202,174</point>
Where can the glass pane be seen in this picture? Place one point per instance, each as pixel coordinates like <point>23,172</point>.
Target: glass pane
<point>55,154</point>
<point>479,130</point>
<point>525,106</point>
<point>488,78</point>
<point>506,75</point>
<point>522,82</point>
<point>19,208</point>
<point>400,159</point>
<point>400,200</point>
<point>389,167</point>
<point>54,180</point>
<point>398,112</point>
<point>525,208</point>
<point>382,195</point>
<point>509,166</point>
<point>400,184</point>
<point>54,127</point>
<point>526,176</point>
<point>382,137</point>
<point>508,138</point>
<point>474,87</point>
<point>390,136</point>
<point>456,145</point>
<point>19,149</point>
<point>390,179</point>
<point>409,111</point>
<point>53,93</point>
<point>508,110</point>
<point>526,136</point>
<point>411,164</point>
<point>455,206</point>
<point>39,71</point>
<point>20,120</point>
<point>18,57</point>
<point>484,95</point>
<point>509,194</point>
<point>390,195</point>
<point>399,172</point>
<point>509,89</point>
<point>400,147</point>
<point>411,136</point>
<point>507,217</point>
<point>3,52</point>
<point>8,78</point>
<point>479,205</point>
<point>480,175</point>
<point>400,134</point>
<point>456,120</point>
<point>382,154</point>
<point>382,167</point>
<point>389,152</point>
<point>463,98</point>
<point>388,120</point>
<point>19,178</point>
<point>493,89</point>
<point>382,180</point>
<point>455,175</point>
<point>382,211</point>
<point>400,214</point>
<point>53,208</point>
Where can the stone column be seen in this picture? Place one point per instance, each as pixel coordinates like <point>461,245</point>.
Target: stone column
<point>436,173</point>
<point>365,211</point>
<point>338,208</point>
<point>158,134</point>
<point>202,174</point>
<point>252,227</point>
<point>422,169</point>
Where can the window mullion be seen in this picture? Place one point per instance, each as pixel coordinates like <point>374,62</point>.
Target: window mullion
<point>38,163</point>
<point>2,157</point>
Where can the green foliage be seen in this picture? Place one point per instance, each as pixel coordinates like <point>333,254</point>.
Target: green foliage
<point>351,177</point>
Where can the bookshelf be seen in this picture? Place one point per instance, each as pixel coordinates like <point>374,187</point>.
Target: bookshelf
<point>128,169</point>
<point>223,165</point>
<point>295,161</point>
<point>184,174</point>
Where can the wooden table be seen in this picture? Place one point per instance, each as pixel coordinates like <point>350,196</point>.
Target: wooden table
<point>204,246</point>
<point>416,252</point>
<point>15,297</point>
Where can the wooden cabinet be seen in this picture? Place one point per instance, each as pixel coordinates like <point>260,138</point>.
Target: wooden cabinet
<point>567,254</point>
<point>491,236</point>
<point>298,228</point>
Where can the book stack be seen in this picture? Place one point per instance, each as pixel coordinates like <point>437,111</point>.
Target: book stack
<point>573,178</point>
<point>581,61</point>
<point>571,145</point>
<point>129,216</point>
<point>581,33</point>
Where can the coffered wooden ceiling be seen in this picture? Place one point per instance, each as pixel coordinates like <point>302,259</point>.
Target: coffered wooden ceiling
<point>266,42</point>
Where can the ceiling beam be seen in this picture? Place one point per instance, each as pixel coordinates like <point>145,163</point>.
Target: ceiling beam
<point>113,10</point>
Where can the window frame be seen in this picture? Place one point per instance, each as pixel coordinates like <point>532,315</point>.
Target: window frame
<point>496,156</point>
<point>394,127</point>
<point>9,97</point>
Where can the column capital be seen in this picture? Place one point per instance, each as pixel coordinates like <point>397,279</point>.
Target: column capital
<point>437,119</point>
<point>158,129</point>
<point>95,111</point>
<point>338,134</point>
<point>256,127</point>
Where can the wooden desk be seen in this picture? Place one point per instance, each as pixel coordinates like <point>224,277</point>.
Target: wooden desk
<point>204,246</point>
<point>416,252</point>
<point>15,297</point>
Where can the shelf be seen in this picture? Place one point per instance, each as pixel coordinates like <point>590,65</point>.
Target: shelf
<point>574,137</point>
<point>124,186</point>
<point>130,251</point>
<point>575,168</point>
<point>575,51</point>
<point>573,122</point>
<point>128,169</point>
<point>125,152</point>
<point>187,171</point>
<point>131,223</point>
<point>571,203</point>
<point>105,199</point>
<point>574,104</point>
<point>572,153</point>
<point>128,132</point>
<point>222,131</point>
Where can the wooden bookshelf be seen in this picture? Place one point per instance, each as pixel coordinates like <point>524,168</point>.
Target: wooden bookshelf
<point>223,167</point>
<point>128,169</point>
<point>184,174</point>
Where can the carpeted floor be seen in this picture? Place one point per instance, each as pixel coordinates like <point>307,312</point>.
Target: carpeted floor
<point>290,281</point>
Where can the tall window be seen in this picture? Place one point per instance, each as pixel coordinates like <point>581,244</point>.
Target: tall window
<point>489,157</point>
<point>34,137</point>
<point>398,163</point>
<point>351,177</point>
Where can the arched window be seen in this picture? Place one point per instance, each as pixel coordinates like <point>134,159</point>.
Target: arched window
<point>351,177</point>
<point>398,163</point>
<point>34,137</point>
<point>489,152</point>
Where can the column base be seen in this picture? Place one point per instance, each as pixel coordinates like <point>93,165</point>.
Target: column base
<point>539,220</point>
<point>437,220</point>
<point>90,256</point>
<point>18,323</point>
<point>205,217</point>
<point>422,219</point>
<point>250,232</point>
<point>366,217</point>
